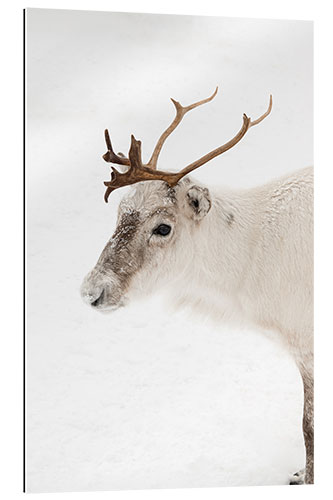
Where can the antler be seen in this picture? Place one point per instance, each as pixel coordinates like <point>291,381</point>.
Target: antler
<point>247,123</point>
<point>110,156</point>
<point>180,113</point>
<point>138,172</point>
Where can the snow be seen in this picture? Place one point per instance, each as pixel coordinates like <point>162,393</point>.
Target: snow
<point>142,397</point>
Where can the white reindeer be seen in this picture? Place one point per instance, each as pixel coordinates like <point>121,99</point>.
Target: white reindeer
<point>252,246</point>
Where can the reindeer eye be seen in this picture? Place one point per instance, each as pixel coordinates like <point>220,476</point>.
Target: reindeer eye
<point>162,230</point>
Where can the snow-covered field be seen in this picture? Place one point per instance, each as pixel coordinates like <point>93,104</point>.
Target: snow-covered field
<point>146,397</point>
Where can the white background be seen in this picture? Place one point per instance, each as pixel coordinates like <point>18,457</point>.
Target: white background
<point>10,292</point>
<point>147,398</point>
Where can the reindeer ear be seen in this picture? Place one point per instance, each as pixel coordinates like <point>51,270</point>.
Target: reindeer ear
<point>198,202</point>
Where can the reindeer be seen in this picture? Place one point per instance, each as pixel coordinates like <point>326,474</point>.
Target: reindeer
<point>253,246</point>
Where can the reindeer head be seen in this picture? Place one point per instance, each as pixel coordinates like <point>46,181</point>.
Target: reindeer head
<point>155,221</point>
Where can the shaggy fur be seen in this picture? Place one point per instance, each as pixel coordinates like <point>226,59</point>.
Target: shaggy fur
<point>250,251</point>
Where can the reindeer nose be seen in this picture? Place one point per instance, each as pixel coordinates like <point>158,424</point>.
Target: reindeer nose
<point>99,300</point>
<point>92,295</point>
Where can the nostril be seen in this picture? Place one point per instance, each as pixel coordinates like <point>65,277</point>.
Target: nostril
<point>99,300</point>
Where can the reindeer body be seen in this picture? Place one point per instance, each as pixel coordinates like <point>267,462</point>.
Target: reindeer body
<point>252,247</point>
<point>264,256</point>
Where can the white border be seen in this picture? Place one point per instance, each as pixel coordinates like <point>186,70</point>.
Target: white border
<point>11,241</point>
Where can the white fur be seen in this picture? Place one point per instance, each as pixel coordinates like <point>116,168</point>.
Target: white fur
<point>253,252</point>
<point>262,260</point>
<point>249,252</point>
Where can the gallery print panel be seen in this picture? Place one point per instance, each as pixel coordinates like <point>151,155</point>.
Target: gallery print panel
<point>169,331</point>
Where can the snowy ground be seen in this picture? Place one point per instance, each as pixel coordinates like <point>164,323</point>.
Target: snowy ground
<point>142,398</point>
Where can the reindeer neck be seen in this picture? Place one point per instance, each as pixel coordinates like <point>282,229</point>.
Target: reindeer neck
<point>230,231</point>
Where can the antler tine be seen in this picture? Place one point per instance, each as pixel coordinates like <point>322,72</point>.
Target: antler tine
<point>247,123</point>
<point>137,171</point>
<point>180,112</point>
<point>110,156</point>
<point>135,154</point>
<point>263,116</point>
<point>107,193</point>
